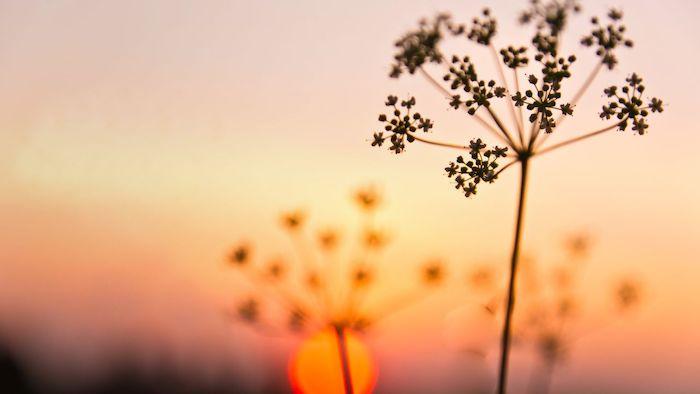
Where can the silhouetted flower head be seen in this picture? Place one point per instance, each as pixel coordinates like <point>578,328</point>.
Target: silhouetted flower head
<point>607,38</point>
<point>543,98</point>
<point>578,245</point>
<point>328,239</point>
<point>627,294</point>
<point>276,269</point>
<point>514,57</point>
<point>361,277</point>
<point>462,75</point>
<point>483,29</point>
<point>313,280</point>
<point>627,104</point>
<point>550,19</point>
<point>367,198</point>
<point>480,166</point>
<point>551,347</point>
<point>550,16</point>
<point>433,273</point>
<point>402,125</point>
<point>419,46</point>
<point>374,239</point>
<point>240,255</point>
<point>293,220</point>
<point>249,310</point>
<point>566,307</point>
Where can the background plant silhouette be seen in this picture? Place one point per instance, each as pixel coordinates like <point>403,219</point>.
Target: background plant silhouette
<point>553,305</point>
<point>326,289</point>
<point>537,109</point>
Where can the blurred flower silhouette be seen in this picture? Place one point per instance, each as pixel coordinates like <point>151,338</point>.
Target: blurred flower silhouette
<point>551,305</point>
<point>321,292</point>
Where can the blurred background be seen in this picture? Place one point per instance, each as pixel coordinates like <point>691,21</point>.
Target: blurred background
<point>140,140</point>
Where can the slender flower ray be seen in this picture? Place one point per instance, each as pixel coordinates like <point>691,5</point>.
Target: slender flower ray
<point>579,94</point>
<point>281,293</point>
<point>576,139</point>
<point>438,143</point>
<point>316,283</point>
<point>505,167</point>
<point>500,125</point>
<point>448,95</point>
<point>504,81</point>
<point>402,302</point>
<point>516,77</point>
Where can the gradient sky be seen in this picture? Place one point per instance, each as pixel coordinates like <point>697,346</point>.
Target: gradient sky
<point>141,139</point>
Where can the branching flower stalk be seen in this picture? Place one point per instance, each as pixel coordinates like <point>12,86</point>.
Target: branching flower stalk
<point>310,294</point>
<point>540,104</point>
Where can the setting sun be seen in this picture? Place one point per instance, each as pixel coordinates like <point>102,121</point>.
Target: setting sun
<point>315,368</point>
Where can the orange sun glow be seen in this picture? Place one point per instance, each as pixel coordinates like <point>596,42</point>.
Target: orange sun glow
<point>316,368</point>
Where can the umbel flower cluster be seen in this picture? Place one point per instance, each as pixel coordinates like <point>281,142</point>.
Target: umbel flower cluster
<point>542,99</point>
<point>319,291</point>
<point>532,86</point>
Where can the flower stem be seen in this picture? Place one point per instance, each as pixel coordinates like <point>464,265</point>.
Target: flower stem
<point>438,143</point>
<point>503,128</point>
<point>579,138</point>
<point>504,81</point>
<point>576,97</point>
<point>505,338</point>
<point>448,95</point>
<point>344,359</point>
<point>516,77</point>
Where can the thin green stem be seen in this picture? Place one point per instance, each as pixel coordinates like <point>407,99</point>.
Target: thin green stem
<point>344,358</point>
<point>510,304</point>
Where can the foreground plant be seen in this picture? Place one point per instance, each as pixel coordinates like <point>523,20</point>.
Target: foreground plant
<point>537,105</point>
<point>321,292</point>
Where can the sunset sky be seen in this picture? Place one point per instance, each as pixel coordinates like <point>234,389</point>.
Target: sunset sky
<point>141,140</point>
